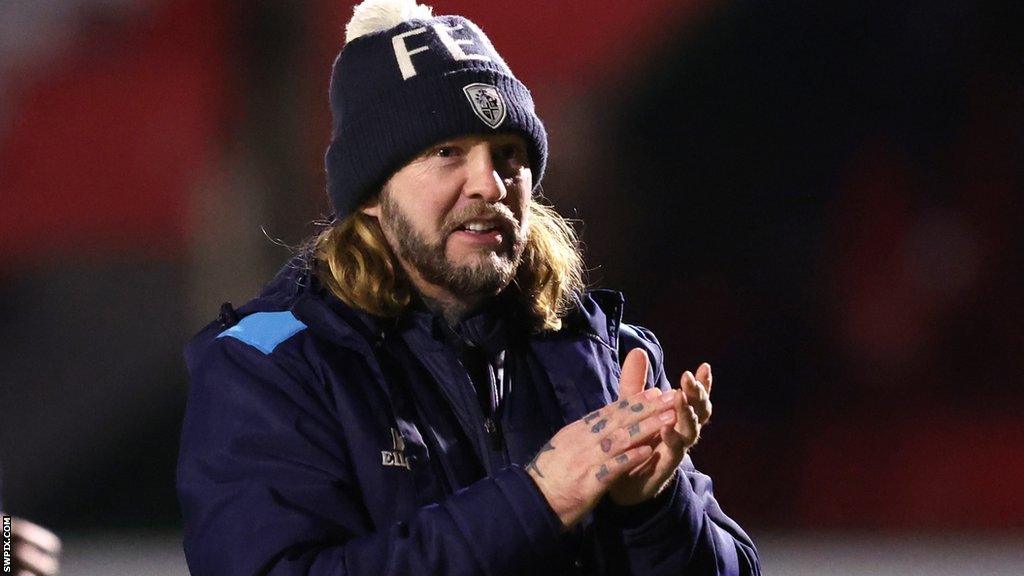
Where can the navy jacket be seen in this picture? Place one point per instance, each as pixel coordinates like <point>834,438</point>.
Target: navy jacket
<point>299,457</point>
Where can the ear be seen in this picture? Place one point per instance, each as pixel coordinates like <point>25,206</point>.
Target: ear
<point>372,209</point>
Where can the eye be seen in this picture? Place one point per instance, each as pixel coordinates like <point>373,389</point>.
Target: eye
<point>445,151</point>
<point>513,153</point>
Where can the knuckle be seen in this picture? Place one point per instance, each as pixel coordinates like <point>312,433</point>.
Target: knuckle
<point>688,425</point>
<point>677,441</point>
<point>689,437</point>
<point>620,436</point>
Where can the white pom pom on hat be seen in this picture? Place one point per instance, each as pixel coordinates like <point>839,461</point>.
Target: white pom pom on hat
<point>372,16</point>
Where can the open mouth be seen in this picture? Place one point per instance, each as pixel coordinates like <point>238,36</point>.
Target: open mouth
<point>478,227</point>
<point>489,232</point>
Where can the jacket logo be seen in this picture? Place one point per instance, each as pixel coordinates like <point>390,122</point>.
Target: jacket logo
<point>487,103</point>
<point>396,456</point>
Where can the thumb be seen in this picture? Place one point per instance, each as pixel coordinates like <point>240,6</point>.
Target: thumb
<point>634,373</point>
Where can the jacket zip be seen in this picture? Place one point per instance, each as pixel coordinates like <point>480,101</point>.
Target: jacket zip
<point>493,430</point>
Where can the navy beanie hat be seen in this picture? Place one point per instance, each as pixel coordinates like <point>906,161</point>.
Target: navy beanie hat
<point>396,91</point>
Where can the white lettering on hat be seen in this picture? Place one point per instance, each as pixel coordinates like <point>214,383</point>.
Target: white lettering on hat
<point>454,45</point>
<point>404,55</point>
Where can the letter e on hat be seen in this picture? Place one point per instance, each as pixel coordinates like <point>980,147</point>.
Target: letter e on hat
<point>454,46</point>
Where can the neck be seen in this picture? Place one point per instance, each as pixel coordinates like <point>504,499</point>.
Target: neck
<point>451,308</point>
<point>439,300</point>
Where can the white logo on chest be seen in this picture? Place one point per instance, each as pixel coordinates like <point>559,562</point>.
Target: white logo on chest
<point>396,456</point>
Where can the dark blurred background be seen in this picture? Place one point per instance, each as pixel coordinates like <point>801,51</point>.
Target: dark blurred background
<point>823,200</point>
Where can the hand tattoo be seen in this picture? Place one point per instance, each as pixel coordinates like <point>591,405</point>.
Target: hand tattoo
<point>533,463</point>
<point>592,416</point>
<point>599,426</point>
<point>637,407</point>
<point>603,473</point>
<point>623,404</point>
<point>634,429</point>
<point>606,444</point>
<point>622,458</point>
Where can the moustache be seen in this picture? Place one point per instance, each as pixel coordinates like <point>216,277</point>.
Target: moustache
<point>499,214</point>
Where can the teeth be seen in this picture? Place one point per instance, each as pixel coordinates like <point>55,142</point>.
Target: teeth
<point>478,227</point>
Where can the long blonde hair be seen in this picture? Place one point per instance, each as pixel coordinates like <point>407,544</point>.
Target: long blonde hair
<point>354,261</point>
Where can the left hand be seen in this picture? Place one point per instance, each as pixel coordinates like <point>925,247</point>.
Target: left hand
<point>693,408</point>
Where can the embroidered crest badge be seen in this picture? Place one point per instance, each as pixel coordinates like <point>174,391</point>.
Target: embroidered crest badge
<point>487,103</point>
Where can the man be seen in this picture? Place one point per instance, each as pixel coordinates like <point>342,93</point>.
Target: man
<point>428,388</point>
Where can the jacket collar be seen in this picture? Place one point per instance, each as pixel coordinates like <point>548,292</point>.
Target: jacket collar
<point>583,386</point>
<point>491,327</point>
<point>597,314</point>
<point>589,333</point>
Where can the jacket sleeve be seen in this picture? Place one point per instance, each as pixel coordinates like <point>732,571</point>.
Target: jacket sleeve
<point>266,487</point>
<point>683,530</point>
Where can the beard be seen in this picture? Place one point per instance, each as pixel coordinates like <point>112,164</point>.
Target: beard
<point>488,274</point>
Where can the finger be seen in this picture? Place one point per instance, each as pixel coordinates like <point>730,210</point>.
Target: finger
<point>686,431</point>
<point>28,557</point>
<point>634,373</point>
<point>613,468</point>
<point>674,438</point>
<point>668,449</point>
<point>645,468</point>
<point>637,433</point>
<point>661,465</point>
<point>626,411</point>
<point>688,384</point>
<point>36,535</point>
<point>658,451</point>
<point>704,376</point>
<point>696,396</point>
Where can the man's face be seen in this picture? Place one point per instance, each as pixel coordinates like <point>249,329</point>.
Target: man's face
<point>455,214</point>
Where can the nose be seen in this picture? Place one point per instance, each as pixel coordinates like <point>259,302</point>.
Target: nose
<point>483,181</point>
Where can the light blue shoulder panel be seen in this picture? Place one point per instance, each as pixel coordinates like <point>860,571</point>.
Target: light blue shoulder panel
<point>265,330</point>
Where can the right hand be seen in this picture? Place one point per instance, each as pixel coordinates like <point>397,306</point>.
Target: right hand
<point>576,467</point>
<point>35,550</point>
